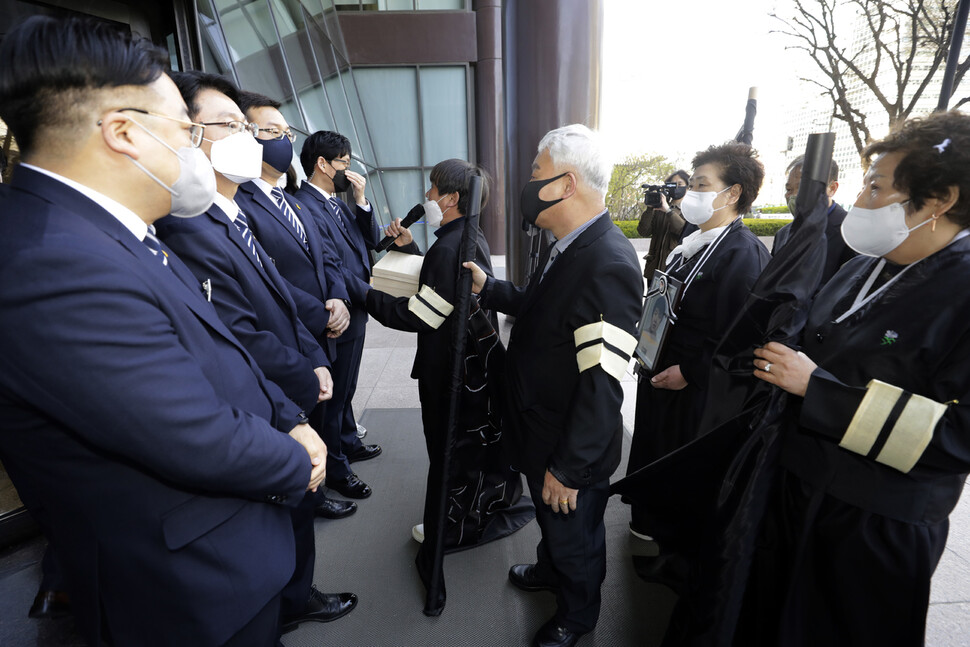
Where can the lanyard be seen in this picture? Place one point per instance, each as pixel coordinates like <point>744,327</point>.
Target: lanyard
<point>700,263</point>
<point>861,299</point>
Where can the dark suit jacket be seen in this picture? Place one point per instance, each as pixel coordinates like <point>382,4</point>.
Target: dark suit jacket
<point>564,419</point>
<point>313,275</point>
<point>351,242</point>
<point>137,420</point>
<point>252,300</point>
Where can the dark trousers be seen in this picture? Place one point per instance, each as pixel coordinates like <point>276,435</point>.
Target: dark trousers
<point>262,631</point>
<point>296,593</point>
<point>339,425</point>
<point>572,554</point>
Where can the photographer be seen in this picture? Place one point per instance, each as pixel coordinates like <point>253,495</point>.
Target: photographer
<point>663,225</point>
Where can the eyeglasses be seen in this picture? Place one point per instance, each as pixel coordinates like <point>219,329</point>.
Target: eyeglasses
<point>344,164</point>
<point>235,127</point>
<point>196,131</point>
<point>276,133</point>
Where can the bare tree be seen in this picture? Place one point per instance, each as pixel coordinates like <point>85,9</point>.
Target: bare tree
<point>904,45</point>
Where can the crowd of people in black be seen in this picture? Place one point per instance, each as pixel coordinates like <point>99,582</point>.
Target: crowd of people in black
<point>182,339</point>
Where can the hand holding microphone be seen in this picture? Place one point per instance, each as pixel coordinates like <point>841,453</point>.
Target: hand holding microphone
<point>415,214</point>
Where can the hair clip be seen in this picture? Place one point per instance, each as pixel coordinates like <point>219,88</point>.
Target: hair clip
<point>942,146</point>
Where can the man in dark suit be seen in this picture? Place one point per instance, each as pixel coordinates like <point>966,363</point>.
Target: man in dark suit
<point>128,411</point>
<point>325,157</point>
<point>572,340</point>
<point>836,251</point>
<point>254,302</point>
<point>287,230</point>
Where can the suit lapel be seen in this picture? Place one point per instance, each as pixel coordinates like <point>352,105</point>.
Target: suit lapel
<point>539,287</point>
<point>266,203</point>
<point>230,231</point>
<point>175,278</point>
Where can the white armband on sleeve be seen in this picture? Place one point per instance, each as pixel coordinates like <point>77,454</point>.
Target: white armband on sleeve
<point>908,437</point>
<point>612,348</point>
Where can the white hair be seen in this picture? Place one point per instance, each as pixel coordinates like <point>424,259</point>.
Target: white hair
<point>581,149</point>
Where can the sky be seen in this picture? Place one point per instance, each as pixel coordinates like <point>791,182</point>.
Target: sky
<point>676,78</point>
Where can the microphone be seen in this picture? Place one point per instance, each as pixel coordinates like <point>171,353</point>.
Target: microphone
<point>415,214</point>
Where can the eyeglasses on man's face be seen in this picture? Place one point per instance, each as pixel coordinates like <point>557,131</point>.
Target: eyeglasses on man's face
<point>276,133</point>
<point>235,127</point>
<point>196,131</point>
<point>340,164</point>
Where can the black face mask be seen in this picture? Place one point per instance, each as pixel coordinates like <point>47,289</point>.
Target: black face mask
<point>340,181</point>
<point>531,204</point>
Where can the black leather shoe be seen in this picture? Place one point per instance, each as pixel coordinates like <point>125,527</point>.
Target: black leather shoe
<point>553,634</point>
<point>364,453</point>
<point>50,604</point>
<point>524,577</point>
<point>351,487</point>
<point>322,607</point>
<point>334,508</point>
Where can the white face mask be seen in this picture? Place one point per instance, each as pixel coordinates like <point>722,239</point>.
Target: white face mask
<point>876,232</point>
<point>238,158</point>
<point>195,188</point>
<point>697,207</point>
<point>433,213</point>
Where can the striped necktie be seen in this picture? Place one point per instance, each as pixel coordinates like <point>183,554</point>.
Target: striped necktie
<point>154,245</point>
<point>290,216</point>
<point>243,226</point>
<point>336,210</point>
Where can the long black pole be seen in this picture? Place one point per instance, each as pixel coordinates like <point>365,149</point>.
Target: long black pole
<point>953,57</point>
<point>435,598</point>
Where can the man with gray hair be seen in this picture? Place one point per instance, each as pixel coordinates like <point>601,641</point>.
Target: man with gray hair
<point>573,338</point>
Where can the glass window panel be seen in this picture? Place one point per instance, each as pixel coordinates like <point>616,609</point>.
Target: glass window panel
<point>444,114</point>
<point>389,96</point>
<point>215,51</point>
<point>363,146</point>
<point>441,5</point>
<point>247,25</point>
<point>317,110</point>
<point>395,5</point>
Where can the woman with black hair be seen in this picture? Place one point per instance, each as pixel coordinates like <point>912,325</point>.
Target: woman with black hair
<point>717,264</point>
<point>879,442</point>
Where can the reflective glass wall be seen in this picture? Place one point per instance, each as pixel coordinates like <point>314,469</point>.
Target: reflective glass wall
<point>400,120</point>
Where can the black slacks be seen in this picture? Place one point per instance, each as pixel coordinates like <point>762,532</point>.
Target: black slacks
<point>572,554</point>
<point>339,428</point>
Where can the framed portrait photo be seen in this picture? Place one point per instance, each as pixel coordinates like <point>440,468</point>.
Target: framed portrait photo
<point>658,307</point>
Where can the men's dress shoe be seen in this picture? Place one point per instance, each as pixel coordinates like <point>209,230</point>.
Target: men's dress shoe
<point>553,634</point>
<point>322,607</point>
<point>524,577</point>
<point>361,431</point>
<point>351,487</point>
<point>335,508</point>
<point>50,604</point>
<point>364,453</point>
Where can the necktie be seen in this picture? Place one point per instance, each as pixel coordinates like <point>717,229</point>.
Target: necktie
<point>290,216</point>
<point>553,255</point>
<point>154,245</point>
<point>336,211</point>
<point>243,226</point>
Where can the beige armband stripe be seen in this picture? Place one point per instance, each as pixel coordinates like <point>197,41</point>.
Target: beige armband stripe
<point>614,363</point>
<point>870,417</point>
<point>429,307</point>
<point>911,434</point>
